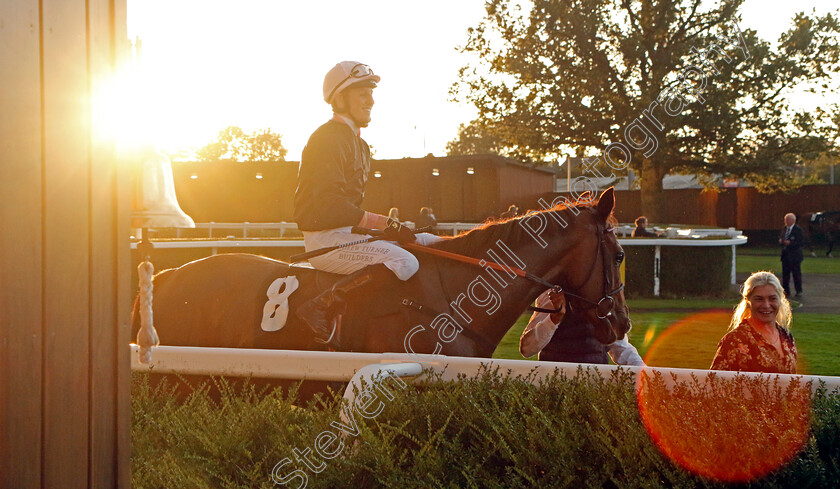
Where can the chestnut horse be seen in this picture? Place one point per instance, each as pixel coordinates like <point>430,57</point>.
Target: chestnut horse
<point>448,307</point>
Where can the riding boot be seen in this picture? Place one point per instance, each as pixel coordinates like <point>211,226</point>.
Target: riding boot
<point>319,312</point>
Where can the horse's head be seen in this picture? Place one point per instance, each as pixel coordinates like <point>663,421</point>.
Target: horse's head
<point>592,278</point>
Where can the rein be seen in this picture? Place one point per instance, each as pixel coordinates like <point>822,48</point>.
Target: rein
<point>475,261</point>
<point>522,273</point>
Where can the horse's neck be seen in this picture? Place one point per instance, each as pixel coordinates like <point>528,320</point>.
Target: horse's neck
<point>488,301</point>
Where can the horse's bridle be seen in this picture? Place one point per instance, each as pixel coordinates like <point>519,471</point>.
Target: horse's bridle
<point>608,294</point>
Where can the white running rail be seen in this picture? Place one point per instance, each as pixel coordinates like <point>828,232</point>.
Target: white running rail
<point>358,367</point>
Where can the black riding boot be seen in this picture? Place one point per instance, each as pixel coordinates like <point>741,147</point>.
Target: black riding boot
<point>318,312</point>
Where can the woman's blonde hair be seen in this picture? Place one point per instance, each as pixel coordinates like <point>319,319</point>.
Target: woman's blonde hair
<point>759,279</point>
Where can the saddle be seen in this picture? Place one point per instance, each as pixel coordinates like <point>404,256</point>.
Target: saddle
<point>314,282</point>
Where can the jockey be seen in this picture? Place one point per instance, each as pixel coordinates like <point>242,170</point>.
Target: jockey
<point>334,168</point>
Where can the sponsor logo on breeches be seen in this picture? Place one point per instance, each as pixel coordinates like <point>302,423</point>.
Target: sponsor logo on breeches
<point>364,254</point>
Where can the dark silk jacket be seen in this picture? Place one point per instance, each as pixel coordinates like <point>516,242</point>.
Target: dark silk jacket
<point>332,176</point>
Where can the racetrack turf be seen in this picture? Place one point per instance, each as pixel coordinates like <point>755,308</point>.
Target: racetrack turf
<point>689,339</point>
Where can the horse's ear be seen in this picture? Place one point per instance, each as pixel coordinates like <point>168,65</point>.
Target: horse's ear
<point>606,203</point>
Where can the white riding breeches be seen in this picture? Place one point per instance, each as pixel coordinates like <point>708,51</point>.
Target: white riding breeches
<point>353,258</point>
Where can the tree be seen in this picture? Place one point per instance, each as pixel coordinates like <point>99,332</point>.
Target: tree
<point>660,86</point>
<point>233,144</point>
<point>475,139</point>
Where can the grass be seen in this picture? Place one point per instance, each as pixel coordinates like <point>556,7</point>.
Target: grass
<point>684,333</point>
<point>689,338</point>
<point>754,259</point>
<point>663,304</point>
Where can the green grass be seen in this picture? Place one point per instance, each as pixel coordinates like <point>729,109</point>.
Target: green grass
<point>755,259</point>
<point>509,347</point>
<point>689,339</point>
<point>660,304</point>
<point>818,341</point>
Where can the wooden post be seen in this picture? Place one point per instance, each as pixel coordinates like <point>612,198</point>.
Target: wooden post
<point>64,254</point>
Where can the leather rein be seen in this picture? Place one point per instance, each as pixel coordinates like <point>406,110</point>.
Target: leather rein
<point>602,250</point>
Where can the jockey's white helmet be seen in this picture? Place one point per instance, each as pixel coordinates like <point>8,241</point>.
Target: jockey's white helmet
<point>346,74</point>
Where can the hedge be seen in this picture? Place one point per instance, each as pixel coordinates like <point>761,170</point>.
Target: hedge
<point>684,271</point>
<point>494,432</point>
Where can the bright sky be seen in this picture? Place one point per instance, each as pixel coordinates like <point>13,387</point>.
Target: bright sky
<point>208,64</point>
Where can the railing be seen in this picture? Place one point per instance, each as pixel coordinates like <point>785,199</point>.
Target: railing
<point>671,236</point>
<point>626,230</point>
<point>243,227</point>
<point>352,367</point>
<point>453,228</point>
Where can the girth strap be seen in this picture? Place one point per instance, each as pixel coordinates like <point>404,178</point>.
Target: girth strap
<point>428,311</point>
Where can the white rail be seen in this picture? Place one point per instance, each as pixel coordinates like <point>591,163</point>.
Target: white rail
<point>229,245</point>
<point>244,227</point>
<point>225,243</point>
<point>354,367</point>
<point>294,242</point>
<point>454,228</point>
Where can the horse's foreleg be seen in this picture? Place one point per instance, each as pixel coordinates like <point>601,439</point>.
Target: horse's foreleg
<point>811,245</point>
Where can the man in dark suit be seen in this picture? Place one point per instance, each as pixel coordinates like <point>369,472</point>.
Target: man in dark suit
<point>791,238</point>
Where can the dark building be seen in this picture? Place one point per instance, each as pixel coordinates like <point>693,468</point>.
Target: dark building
<point>458,188</point>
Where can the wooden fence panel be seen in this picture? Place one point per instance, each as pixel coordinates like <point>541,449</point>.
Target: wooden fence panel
<point>758,211</point>
<point>20,246</point>
<point>66,244</point>
<point>64,252</point>
<point>109,329</point>
<point>743,208</point>
<point>727,209</point>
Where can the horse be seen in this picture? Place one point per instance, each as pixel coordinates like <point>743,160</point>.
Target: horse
<point>821,223</point>
<point>448,307</point>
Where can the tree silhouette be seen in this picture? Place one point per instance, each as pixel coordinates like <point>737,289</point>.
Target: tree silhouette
<point>233,144</point>
<point>660,86</point>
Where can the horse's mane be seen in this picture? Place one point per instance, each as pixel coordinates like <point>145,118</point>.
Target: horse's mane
<point>508,230</point>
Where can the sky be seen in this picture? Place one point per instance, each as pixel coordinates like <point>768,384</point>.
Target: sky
<point>209,64</point>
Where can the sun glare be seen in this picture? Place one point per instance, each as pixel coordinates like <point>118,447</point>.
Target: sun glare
<point>120,110</point>
<point>687,342</point>
<point>727,431</point>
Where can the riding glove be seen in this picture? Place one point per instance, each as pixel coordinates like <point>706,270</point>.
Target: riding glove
<point>396,231</point>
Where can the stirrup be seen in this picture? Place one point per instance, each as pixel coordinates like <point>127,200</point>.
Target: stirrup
<point>336,320</point>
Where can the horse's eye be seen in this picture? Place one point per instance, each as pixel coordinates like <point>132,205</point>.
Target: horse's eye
<point>619,257</point>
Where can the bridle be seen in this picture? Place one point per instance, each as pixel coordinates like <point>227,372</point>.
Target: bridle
<point>607,297</point>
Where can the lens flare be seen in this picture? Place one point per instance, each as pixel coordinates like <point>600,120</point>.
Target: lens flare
<point>649,335</point>
<point>734,430</point>
<point>731,430</point>
<point>689,342</point>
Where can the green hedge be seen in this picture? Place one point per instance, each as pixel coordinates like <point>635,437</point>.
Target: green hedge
<point>684,271</point>
<point>493,432</point>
